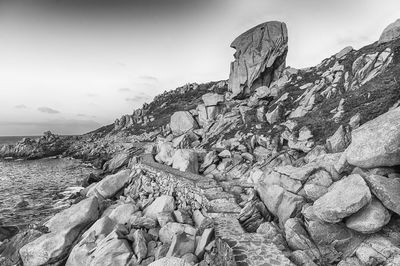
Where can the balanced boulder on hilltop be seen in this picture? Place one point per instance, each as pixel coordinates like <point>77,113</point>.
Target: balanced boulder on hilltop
<point>259,58</point>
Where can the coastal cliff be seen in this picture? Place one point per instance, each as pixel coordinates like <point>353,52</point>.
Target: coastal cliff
<point>275,165</point>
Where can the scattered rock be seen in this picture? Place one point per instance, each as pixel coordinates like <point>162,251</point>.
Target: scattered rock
<point>386,190</point>
<point>344,198</point>
<point>369,219</point>
<point>164,203</point>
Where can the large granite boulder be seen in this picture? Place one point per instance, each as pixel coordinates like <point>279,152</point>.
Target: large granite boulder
<point>344,198</point>
<point>259,58</point>
<point>387,190</point>
<point>64,228</point>
<point>369,219</point>
<point>110,185</point>
<point>182,122</point>
<point>377,142</point>
<point>391,32</point>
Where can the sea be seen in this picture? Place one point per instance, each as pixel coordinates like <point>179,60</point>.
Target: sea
<point>33,190</point>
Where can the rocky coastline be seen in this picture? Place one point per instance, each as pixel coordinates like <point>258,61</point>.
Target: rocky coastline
<point>274,166</point>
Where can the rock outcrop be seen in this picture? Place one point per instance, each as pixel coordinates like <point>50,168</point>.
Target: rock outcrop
<point>259,58</point>
<point>391,32</point>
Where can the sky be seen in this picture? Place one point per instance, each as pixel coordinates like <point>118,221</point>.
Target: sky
<point>72,66</point>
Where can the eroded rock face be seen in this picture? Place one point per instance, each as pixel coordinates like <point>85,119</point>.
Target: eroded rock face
<point>259,59</point>
<point>377,142</point>
<point>391,32</point>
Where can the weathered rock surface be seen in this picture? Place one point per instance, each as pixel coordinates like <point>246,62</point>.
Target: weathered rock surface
<point>369,219</point>
<point>259,58</point>
<point>344,198</point>
<point>387,190</point>
<point>110,185</point>
<point>64,228</point>
<point>181,122</point>
<point>186,161</point>
<point>279,201</point>
<point>163,203</point>
<point>377,142</point>
<point>391,32</point>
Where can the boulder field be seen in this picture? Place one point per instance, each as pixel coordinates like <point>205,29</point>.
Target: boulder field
<point>275,166</point>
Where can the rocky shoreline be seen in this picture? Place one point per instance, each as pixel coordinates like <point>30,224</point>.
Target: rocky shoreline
<point>275,166</point>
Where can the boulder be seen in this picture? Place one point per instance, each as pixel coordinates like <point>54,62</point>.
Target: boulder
<point>9,249</point>
<point>117,162</point>
<point>377,142</point>
<point>186,161</point>
<point>377,250</point>
<point>122,213</point>
<point>165,153</point>
<point>181,244</point>
<point>64,228</point>
<point>80,253</point>
<point>164,203</point>
<point>168,231</point>
<point>212,99</point>
<point>279,201</point>
<point>387,190</point>
<point>204,241</point>
<point>391,32</point>
<point>182,122</point>
<point>111,251</point>
<point>139,245</point>
<point>369,219</point>
<point>344,198</point>
<point>170,261</point>
<point>110,185</point>
<point>344,52</point>
<point>259,58</point>
<point>296,236</point>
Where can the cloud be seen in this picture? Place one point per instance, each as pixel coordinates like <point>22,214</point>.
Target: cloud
<point>48,110</point>
<point>139,98</point>
<point>124,90</point>
<point>149,78</point>
<point>21,106</point>
<point>91,94</point>
<point>83,115</point>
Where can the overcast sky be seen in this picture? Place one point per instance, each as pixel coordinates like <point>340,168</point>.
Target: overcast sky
<point>74,65</point>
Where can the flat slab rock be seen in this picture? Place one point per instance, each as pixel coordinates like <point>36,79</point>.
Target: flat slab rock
<point>344,198</point>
